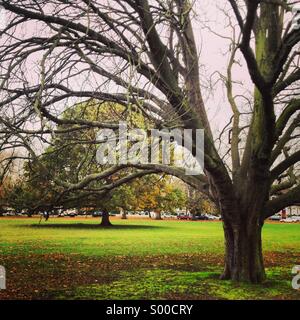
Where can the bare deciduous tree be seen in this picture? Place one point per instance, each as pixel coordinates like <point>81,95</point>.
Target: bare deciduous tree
<point>143,53</point>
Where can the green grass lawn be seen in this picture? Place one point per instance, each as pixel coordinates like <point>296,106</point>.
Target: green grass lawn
<point>135,259</point>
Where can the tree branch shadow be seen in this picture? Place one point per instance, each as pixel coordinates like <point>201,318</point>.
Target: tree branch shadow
<point>88,226</point>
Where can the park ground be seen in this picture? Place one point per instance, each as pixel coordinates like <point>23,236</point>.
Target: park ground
<point>74,258</point>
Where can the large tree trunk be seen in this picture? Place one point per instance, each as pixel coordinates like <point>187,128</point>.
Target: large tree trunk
<point>123,213</point>
<point>243,252</point>
<point>157,215</point>
<point>105,219</point>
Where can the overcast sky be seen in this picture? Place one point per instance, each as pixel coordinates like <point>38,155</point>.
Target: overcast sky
<point>214,58</point>
<point>209,21</point>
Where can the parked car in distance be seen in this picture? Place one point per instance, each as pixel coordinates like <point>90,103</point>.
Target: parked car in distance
<point>166,215</point>
<point>61,214</point>
<point>291,219</point>
<point>72,214</point>
<point>97,214</point>
<point>200,217</point>
<point>211,216</point>
<point>8,214</point>
<point>275,217</point>
<point>182,216</point>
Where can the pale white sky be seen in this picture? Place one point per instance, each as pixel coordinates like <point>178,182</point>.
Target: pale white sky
<point>214,57</point>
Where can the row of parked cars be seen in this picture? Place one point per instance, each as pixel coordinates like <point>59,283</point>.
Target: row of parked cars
<point>10,214</point>
<point>74,213</point>
<point>179,216</point>
<point>290,219</point>
<point>58,213</point>
<point>203,216</point>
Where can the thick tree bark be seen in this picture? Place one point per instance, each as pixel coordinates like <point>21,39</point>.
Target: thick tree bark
<point>157,215</point>
<point>243,252</point>
<point>105,219</point>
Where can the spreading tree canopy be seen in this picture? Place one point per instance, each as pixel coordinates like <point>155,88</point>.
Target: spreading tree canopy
<point>145,53</point>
